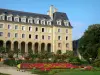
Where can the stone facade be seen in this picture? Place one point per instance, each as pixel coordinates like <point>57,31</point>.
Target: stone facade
<point>49,34</point>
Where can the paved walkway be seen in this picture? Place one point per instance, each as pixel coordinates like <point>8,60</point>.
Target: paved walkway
<point>13,71</point>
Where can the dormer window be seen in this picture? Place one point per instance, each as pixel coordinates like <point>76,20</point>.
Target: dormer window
<point>9,17</point>
<point>2,17</point>
<point>66,23</point>
<point>48,22</point>
<point>59,22</point>
<point>37,21</point>
<point>43,22</point>
<point>30,20</point>
<point>16,19</point>
<point>23,19</point>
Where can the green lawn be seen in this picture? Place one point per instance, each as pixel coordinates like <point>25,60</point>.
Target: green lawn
<point>4,74</point>
<point>79,73</point>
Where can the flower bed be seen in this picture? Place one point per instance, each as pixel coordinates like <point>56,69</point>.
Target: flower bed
<point>48,66</point>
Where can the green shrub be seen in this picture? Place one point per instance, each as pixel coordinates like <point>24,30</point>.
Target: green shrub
<point>10,62</point>
<point>96,63</point>
<point>10,54</point>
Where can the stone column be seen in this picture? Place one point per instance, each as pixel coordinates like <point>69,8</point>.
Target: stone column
<point>19,46</point>
<point>12,46</point>
<point>45,47</point>
<point>4,45</point>
<point>39,47</point>
<point>33,47</point>
<point>26,48</point>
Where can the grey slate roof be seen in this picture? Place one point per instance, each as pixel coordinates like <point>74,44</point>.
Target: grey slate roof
<point>60,16</point>
<point>56,16</point>
<point>21,13</point>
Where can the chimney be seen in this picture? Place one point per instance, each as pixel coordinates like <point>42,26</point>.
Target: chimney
<point>51,11</point>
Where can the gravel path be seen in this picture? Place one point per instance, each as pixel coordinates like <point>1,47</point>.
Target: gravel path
<point>13,71</point>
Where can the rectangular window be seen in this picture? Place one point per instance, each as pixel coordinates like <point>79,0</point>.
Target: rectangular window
<point>42,29</point>
<point>48,37</point>
<point>66,30</point>
<point>30,21</point>
<point>1,17</point>
<point>29,35</point>
<point>66,37</point>
<point>1,33</point>
<point>58,30</point>
<point>16,19</point>
<point>8,35</point>
<point>16,35</point>
<point>49,23</point>
<point>23,20</point>
<point>59,37</point>
<point>9,18</point>
<point>1,25</point>
<point>36,36</point>
<point>23,27</point>
<point>16,27</point>
<point>30,28</point>
<point>43,37</point>
<point>36,21</point>
<point>23,35</point>
<point>36,29</point>
<point>9,26</point>
<point>59,44</point>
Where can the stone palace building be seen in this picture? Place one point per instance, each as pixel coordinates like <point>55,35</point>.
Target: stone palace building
<point>39,32</point>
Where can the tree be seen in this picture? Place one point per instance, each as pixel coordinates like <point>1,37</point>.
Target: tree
<point>89,43</point>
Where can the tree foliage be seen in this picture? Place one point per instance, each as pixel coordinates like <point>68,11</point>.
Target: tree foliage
<point>89,43</point>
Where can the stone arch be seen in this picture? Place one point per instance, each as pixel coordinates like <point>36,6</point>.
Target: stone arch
<point>42,47</point>
<point>36,46</point>
<point>49,47</point>
<point>29,46</point>
<point>23,47</point>
<point>8,45</point>
<point>15,46</point>
<point>1,43</point>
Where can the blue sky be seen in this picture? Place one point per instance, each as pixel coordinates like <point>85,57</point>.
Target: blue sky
<point>81,13</point>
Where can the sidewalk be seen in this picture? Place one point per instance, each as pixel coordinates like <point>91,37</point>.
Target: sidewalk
<point>13,70</point>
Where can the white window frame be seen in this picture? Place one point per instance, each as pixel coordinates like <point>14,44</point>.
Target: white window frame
<point>16,17</point>
<point>1,34</point>
<point>30,29</point>
<point>49,37</point>
<point>10,26</point>
<point>16,36</point>
<point>23,28</point>
<point>15,27</point>
<point>30,20</point>
<point>66,23</point>
<point>59,30</point>
<point>36,20</point>
<point>43,22</point>
<point>9,34</point>
<point>58,22</point>
<point>3,17</point>
<point>2,25</point>
<point>9,16</point>
<point>22,35</point>
<point>66,30</point>
<point>23,19</point>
